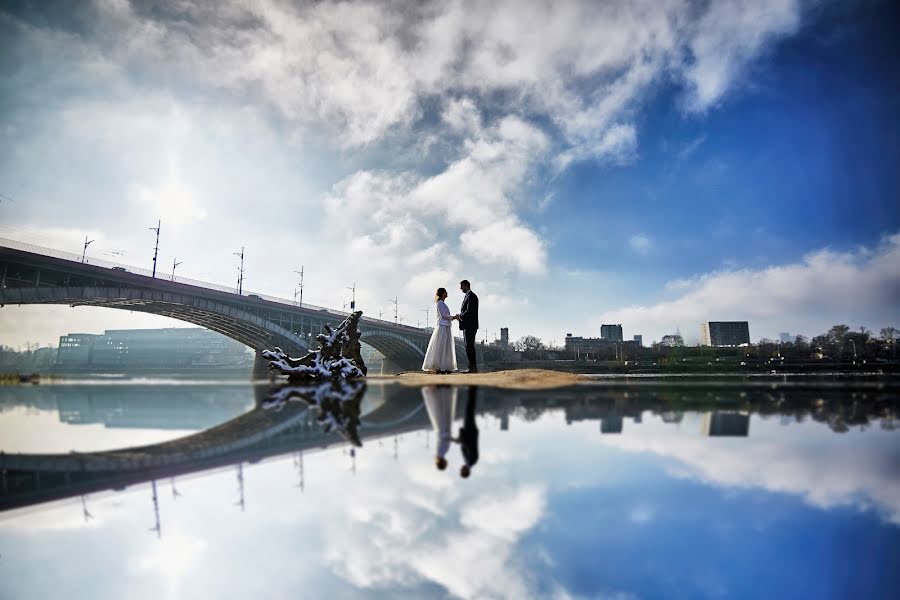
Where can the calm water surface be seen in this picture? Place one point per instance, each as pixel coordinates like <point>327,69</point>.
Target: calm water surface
<point>728,489</point>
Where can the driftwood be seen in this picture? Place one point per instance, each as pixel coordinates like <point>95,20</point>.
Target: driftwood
<point>338,356</point>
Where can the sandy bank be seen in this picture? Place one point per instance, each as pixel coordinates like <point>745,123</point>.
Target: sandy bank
<point>520,379</point>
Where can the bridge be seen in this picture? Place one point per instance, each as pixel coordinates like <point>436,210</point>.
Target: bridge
<point>32,274</point>
<point>27,479</point>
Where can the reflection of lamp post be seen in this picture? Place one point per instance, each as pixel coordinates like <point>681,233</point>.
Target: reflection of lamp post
<point>87,243</point>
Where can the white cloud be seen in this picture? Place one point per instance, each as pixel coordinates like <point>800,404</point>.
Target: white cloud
<point>640,243</point>
<point>808,296</point>
<point>728,36</point>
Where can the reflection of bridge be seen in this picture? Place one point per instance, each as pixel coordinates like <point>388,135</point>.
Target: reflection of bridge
<point>27,479</point>
<point>34,275</point>
<point>32,478</point>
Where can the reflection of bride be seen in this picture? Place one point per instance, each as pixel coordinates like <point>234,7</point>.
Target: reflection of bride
<point>441,353</point>
<point>440,402</point>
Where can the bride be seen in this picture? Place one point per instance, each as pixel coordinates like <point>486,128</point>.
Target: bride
<point>441,354</point>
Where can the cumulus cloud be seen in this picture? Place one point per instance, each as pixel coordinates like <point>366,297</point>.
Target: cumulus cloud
<point>363,68</point>
<point>397,219</point>
<point>824,288</point>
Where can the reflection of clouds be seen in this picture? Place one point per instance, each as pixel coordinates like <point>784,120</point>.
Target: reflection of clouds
<point>825,469</point>
<point>433,536</point>
<point>641,514</point>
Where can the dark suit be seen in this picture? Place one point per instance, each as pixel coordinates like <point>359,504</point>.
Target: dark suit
<point>468,322</point>
<point>468,433</point>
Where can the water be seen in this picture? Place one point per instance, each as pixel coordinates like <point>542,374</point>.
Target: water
<point>641,489</point>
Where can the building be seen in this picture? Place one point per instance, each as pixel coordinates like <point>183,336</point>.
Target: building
<point>785,338</point>
<point>724,333</point>
<point>170,348</point>
<point>639,339</point>
<point>75,349</point>
<point>612,333</point>
<point>726,424</point>
<point>504,338</point>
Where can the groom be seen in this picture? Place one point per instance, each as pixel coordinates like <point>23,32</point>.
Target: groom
<point>468,322</point>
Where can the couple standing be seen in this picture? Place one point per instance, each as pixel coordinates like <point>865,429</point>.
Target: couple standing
<point>441,354</point>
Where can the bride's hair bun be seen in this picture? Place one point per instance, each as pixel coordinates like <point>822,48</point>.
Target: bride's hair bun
<point>440,293</point>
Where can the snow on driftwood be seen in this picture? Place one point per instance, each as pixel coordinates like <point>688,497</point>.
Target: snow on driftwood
<point>336,402</point>
<point>338,356</point>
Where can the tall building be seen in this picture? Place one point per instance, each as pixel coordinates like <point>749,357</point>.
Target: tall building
<point>724,333</point>
<point>612,333</point>
<point>504,337</point>
<point>639,339</point>
<point>784,337</point>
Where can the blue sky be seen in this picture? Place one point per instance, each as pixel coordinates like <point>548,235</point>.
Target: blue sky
<point>654,164</point>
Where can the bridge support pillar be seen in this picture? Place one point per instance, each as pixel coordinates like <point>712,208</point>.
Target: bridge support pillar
<point>391,366</point>
<point>260,367</point>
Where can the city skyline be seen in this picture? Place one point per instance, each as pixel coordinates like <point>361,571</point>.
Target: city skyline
<point>652,166</point>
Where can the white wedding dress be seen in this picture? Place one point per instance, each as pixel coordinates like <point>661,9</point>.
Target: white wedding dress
<point>440,402</point>
<point>441,353</point>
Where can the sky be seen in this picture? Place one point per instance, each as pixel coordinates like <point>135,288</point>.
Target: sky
<point>650,163</point>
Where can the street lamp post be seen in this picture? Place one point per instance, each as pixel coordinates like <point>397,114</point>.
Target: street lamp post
<point>156,248</point>
<point>300,272</point>
<point>175,263</point>
<point>353,298</point>
<point>241,271</point>
<point>396,319</point>
<point>87,243</point>
<point>427,312</point>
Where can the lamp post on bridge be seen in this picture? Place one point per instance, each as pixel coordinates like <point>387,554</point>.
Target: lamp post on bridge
<point>175,263</point>
<point>427,312</point>
<point>241,271</point>
<point>87,243</point>
<point>353,298</point>
<point>300,272</point>
<point>156,248</point>
<point>396,319</point>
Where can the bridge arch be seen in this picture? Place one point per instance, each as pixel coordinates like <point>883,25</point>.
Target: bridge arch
<point>251,330</point>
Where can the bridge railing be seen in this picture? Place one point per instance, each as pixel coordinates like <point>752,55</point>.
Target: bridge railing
<point>108,264</point>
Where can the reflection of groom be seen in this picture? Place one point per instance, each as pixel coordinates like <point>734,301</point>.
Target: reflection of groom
<point>468,435</point>
<point>468,322</point>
